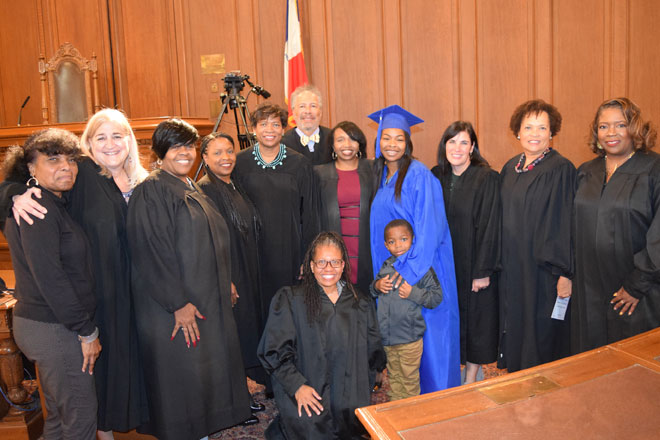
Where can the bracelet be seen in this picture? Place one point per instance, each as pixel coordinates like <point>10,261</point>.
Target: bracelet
<point>90,338</point>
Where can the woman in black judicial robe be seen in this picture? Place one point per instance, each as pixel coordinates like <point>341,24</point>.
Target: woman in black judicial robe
<point>243,222</point>
<point>98,203</point>
<point>322,348</point>
<point>279,182</point>
<point>349,154</point>
<point>537,190</point>
<point>181,287</point>
<point>616,290</point>
<point>472,200</point>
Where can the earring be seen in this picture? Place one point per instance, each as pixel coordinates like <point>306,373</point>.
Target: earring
<point>550,136</point>
<point>359,154</point>
<point>159,162</point>
<point>471,153</point>
<point>334,156</point>
<point>599,146</point>
<point>32,181</point>
<point>518,137</point>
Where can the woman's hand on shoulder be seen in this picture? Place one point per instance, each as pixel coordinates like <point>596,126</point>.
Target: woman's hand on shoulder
<point>25,207</point>
<point>185,320</point>
<point>308,398</point>
<point>624,302</point>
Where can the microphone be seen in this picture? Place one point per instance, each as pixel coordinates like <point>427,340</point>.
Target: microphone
<point>20,112</point>
<point>258,90</point>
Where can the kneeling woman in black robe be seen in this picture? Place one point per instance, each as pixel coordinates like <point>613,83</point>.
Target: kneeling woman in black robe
<point>322,348</point>
<point>181,287</point>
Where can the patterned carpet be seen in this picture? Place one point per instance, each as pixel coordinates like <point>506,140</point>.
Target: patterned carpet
<point>265,417</point>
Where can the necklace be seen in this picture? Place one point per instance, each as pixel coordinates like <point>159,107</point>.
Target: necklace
<point>281,155</point>
<point>519,166</point>
<point>616,165</point>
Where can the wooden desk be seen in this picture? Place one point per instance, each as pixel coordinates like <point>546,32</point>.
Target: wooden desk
<point>14,423</point>
<point>610,392</point>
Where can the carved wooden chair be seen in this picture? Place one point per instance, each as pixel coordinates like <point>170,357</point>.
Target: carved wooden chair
<point>69,86</point>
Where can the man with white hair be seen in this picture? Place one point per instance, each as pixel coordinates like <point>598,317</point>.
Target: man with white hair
<point>308,137</point>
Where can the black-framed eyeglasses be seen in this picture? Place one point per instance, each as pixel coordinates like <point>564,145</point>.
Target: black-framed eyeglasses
<point>321,264</point>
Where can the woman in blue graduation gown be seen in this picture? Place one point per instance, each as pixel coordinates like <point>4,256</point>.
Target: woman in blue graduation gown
<point>408,190</point>
<point>616,290</point>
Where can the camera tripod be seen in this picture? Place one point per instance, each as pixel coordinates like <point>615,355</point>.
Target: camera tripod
<point>234,84</point>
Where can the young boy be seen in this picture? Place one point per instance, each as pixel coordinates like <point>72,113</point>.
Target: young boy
<point>400,312</point>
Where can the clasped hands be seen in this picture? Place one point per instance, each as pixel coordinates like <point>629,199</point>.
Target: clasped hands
<point>393,281</point>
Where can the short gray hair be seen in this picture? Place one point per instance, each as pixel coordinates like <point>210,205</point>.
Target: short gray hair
<point>306,88</point>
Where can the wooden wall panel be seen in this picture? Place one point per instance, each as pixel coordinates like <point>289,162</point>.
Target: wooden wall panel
<point>579,72</point>
<point>19,52</point>
<point>427,70</point>
<point>504,59</point>
<point>146,58</point>
<point>357,69</point>
<point>643,62</point>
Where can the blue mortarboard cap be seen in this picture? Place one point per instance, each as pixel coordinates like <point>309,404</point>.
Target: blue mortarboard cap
<point>393,116</point>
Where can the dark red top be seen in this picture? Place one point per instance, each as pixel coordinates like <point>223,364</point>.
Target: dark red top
<point>348,196</point>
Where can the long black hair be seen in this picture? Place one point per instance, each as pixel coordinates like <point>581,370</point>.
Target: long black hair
<point>455,128</point>
<point>311,289</point>
<point>404,164</point>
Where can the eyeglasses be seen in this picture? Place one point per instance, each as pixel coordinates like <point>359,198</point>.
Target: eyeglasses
<point>321,264</point>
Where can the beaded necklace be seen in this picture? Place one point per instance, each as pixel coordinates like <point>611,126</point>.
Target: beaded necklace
<point>519,166</point>
<point>281,155</point>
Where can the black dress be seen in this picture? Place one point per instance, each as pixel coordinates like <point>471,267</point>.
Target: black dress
<point>326,176</point>
<point>338,355</point>
<point>243,223</point>
<point>472,203</point>
<point>322,148</point>
<point>180,254</point>
<point>285,200</point>
<point>97,204</point>
<point>536,250</point>
<point>617,243</point>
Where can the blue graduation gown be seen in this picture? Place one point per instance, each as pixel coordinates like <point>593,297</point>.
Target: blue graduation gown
<point>422,205</point>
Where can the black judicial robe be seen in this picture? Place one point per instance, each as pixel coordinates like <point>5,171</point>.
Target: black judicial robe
<point>536,250</point>
<point>180,254</point>
<point>326,177</point>
<point>244,262</point>
<point>474,215</point>
<point>338,355</point>
<point>96,203</point>
<point>322,149</point>
<point>285,200</point>
<point>617,243</point>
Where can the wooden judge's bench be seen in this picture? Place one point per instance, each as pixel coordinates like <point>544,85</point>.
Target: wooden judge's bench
<point>611,392</point>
